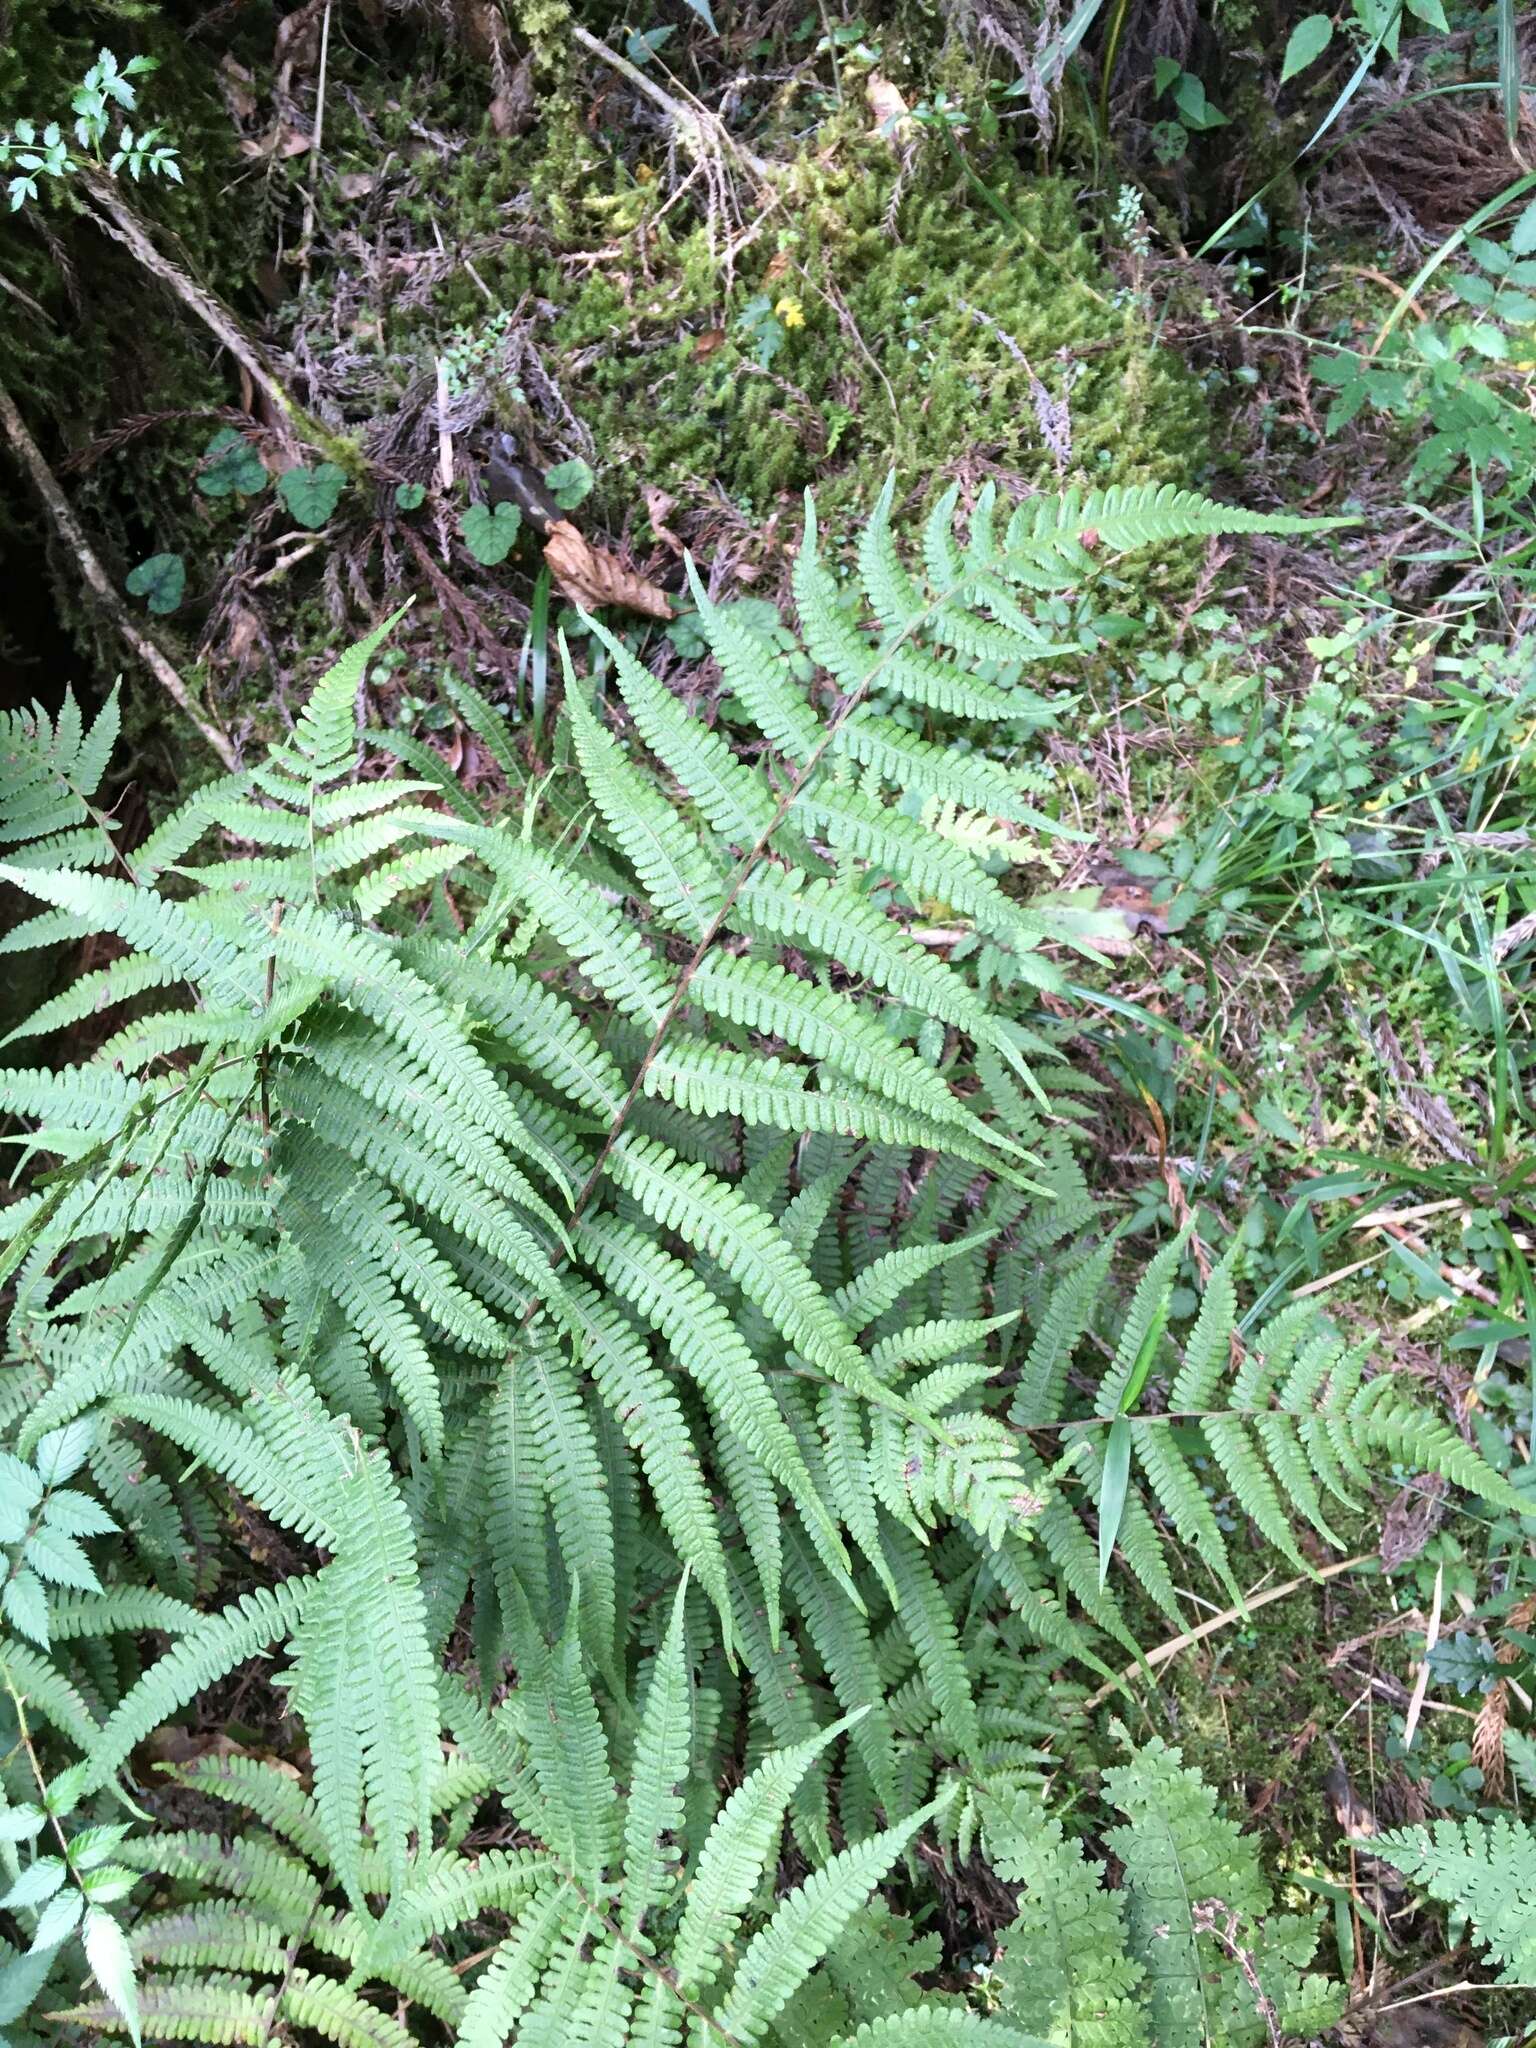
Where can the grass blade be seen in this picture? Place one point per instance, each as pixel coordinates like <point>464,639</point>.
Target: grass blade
<point>1112,1494</point>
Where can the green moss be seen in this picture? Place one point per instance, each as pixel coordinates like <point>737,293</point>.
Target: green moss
<point>930,331</point>
<point>906,324</point>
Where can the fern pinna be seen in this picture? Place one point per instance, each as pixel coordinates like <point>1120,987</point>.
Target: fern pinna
<point>517,1214</point>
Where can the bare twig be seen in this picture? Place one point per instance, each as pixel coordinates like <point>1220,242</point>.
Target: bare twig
<point>115,217</point>
<point>1220,1921</point>
<point>699,128</point>
<point>444,429</point>
<point>315,140</point>
<point>1421,1683</point>
<point>100,583</point>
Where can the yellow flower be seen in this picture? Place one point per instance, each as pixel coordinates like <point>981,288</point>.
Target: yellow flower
<point>790,312</point>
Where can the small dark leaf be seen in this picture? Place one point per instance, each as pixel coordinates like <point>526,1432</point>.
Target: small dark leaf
<point>230,467</point>
<point>162,580</point>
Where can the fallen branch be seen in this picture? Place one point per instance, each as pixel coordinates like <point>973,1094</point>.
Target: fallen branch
<point>700,129</point>
<point>72,534</point>
<point>116,218</point>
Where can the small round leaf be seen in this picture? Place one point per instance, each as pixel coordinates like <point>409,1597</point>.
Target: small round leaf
<point>312,495</point>
<point>162,580</point>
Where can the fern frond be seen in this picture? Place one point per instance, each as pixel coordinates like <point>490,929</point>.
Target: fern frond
<point>655,1808</point>
<point>1485,1869</point>
<point>677,875</point>
<point>201,1657</point>
<point>1066,1974</point>
<point>805,1924</point>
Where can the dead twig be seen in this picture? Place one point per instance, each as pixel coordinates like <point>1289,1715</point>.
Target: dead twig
<point>115,217</point>
<point>72,534</point>
<point>306,241</point>
<point>700,129</point>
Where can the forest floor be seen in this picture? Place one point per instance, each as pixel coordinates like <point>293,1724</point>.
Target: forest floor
<point>1288,785</point>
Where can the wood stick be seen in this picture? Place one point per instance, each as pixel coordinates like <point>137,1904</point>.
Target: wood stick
<point>72,534</point>
<point>116,217</point>
<point>696,123</point>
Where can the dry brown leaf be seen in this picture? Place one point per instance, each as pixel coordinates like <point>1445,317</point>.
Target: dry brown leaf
<point>297,42</point>
<point>356,184</point>
<point>893,117</point>
<point>238,88</point>
<point>483,30</point>
<point>173,1744</point>
<point>513,106</point>
<point>591,576</point>
<point>711,339</point>
<point>1164,825</point>
<point>1488,1738</point>
<point>1411,1519</point>
<point>284,140</point>
<point>657,506</point>
<point>244,631</point>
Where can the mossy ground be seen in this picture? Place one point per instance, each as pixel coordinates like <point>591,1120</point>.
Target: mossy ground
<point>881,314</point>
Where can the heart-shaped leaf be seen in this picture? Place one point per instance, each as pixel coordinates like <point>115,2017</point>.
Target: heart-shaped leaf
<point>312,495</point>
<point>230,467</point>
<point>162,580</point>
<point>489,532</point>
<point>570,482</point>
<point>409,496</point>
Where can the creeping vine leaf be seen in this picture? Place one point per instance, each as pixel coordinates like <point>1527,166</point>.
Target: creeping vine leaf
<point>230,467</point>
<point>312,495</point>
<point>570,482</point>
<point>162,580</point>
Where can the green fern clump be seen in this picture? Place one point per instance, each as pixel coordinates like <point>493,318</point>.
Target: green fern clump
<point>522,1217</point>
<point>619,1920</point>
<point>1188,1950</point>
